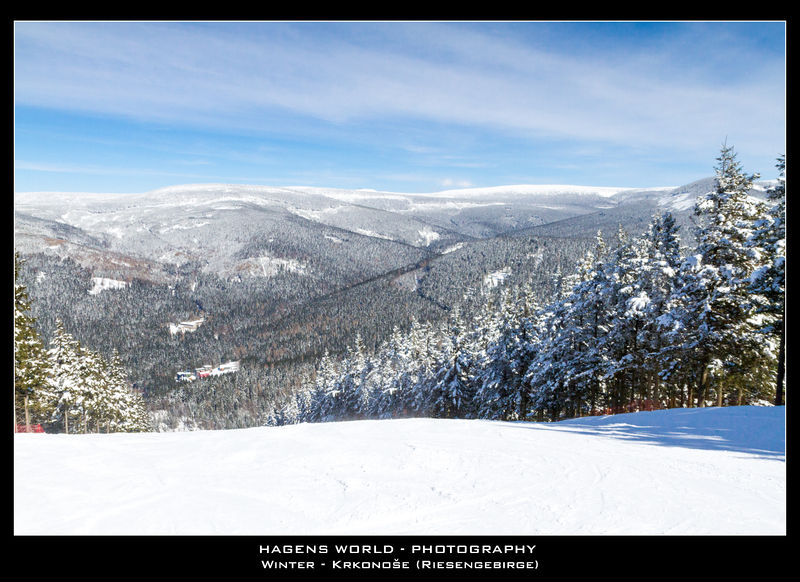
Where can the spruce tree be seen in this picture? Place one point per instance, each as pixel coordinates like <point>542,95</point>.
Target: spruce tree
<point>391,378</point>
<point>502,393</point>
<point>93,389</point>
<point>63,397</point>
<point>421,345</point>
<point>452,390</point>
<point>565,377</point>
<point>496,382</point>
<point>716,335</point>
<point>549,377</point>
<point>361,375</point>
<point>118,407</point>
<point>658,279</point>
<point>319,403</point>
<point>31,367</point>
<point>768,283</point>
<point>626,301</point>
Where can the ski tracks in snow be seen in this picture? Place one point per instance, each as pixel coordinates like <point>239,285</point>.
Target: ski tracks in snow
<point>412,476</point>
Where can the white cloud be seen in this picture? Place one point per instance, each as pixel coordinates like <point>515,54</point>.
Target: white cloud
<point>361,77</point>
<point>452,183</point>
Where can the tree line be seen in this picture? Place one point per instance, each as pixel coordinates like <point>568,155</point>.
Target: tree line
<point>277,331</point>
<point>68,387</point>
<point>643,322</point>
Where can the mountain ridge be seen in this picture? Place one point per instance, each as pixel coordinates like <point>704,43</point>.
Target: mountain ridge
<point>248,230</point>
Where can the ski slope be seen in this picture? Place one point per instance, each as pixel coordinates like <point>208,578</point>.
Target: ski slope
<point>712,471</point>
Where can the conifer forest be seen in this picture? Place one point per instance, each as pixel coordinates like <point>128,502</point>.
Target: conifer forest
<point>636,306</point>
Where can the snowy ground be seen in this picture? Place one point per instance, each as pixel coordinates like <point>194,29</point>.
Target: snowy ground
<point>685,471</point>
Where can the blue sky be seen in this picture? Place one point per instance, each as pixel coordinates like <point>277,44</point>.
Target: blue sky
<point>405,107</point>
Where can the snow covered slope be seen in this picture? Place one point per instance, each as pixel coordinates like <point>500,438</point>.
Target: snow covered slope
<point>230,229</point>
<point>682,471</point>
<point>219,223</point>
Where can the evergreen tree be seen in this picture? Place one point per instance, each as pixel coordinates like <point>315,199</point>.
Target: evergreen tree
<point>318,405</point>
<point>361,376</point>
<point>421,347</point>
<point>496,381</point>
<point>768,283</point>
<point>31,367</point>
<point>565,376</point>
<point>93,389</point>
<point>135,415</point>
<point>87,392</point>
<point>452,391</point>
<point>118,406</point>
<point>658,277</point>
<point>345,398</point>
<point>716,335</point>
<point>114,416</point>
<point>63,397</point>
<point>528,342</point>
<point>391,378</point>
<point>547,377</point>
<point>502,394</point>
<point>628,310</point>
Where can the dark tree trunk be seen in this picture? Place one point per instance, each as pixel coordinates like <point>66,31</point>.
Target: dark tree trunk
<point>781,368</point>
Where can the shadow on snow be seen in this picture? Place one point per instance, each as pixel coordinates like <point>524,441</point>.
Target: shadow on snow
<point>753,430</point>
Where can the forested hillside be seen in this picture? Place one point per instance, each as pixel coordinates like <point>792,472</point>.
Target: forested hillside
<point>398,305</point>
<point>642,323</point>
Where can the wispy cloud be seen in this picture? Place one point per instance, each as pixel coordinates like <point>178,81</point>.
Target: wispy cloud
<point>456,75</point>
<point>94,170</point>
<point>415,83</point>
<point>454,183</point>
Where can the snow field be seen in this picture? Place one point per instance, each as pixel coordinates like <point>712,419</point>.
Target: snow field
<point>102,283</point>
<point>712,471</point>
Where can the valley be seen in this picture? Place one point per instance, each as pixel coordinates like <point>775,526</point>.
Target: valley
<point>281,275</point>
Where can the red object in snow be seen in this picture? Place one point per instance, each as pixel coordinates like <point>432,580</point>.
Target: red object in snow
<point>33,427</point>
<point>632,406</point>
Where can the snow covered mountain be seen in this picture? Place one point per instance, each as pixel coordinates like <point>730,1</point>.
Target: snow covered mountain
<point>709,471</point>
<point>219,225</point>
<point>283,274</point>
<point>245,230</point>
